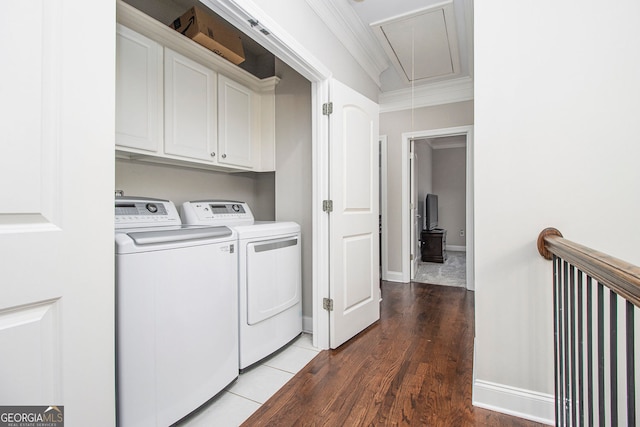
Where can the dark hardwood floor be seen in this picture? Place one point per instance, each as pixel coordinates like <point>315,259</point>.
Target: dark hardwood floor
<point>413,367</point>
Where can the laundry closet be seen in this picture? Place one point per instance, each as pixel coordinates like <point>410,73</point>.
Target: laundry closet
<point>277,186</point>
<point>193,126</point>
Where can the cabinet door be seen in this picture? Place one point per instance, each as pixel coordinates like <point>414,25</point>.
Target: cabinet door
<point>235,103</point>
<point>190,108</point>
<point>138,91</point>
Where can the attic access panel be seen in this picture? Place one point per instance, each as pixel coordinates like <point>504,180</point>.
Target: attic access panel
<point>422,45</point>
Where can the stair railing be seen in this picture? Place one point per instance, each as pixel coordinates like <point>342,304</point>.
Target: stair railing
<point>595,344</point>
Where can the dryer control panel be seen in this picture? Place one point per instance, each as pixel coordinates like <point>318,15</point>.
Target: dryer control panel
<point>144,212</point>
<point>216,212</point>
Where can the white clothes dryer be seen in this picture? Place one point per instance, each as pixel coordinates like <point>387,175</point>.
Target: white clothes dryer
<point>269,275</point>
<point>176,312</point>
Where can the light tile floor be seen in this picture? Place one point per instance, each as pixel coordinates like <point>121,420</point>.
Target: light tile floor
<point>254,387</point>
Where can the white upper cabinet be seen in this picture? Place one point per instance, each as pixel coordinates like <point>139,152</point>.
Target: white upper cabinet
<point>179,103</point>
<point>235,123</point>
<point>190,108</point>
<point>138,91</point>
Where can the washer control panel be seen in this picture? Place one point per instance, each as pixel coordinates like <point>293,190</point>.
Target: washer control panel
<point>216,212</point>
<point>133,212</point>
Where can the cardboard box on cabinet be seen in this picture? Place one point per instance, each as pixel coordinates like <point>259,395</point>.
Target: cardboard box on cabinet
<point>211,32</point>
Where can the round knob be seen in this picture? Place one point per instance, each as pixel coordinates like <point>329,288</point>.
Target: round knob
<point>213,154</point>
<point>236,208</point>
<point>152,207</point>
<point>224,156</point>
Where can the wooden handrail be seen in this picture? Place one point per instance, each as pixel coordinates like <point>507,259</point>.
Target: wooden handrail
<point>620,276</point>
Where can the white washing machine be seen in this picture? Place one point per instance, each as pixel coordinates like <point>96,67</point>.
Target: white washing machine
<point>269,275</point>
<point>176,312</point>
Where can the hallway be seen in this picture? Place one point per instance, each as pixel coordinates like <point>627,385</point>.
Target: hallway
<point>413,367</point>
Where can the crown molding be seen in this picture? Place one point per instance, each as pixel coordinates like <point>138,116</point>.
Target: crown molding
<point>357,38</point>
<point>445,92</point>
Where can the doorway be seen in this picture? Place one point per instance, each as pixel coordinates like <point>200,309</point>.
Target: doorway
<point>408,213</point>
<point>439,190</point>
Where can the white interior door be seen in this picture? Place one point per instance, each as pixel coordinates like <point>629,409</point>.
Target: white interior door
<point>56,210</point>
<point>354,283</point>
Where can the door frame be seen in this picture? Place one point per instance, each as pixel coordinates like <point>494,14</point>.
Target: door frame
<point>414,251</point>
<point>407,137</point>
<point>241,13</point>
<point>384,239</point>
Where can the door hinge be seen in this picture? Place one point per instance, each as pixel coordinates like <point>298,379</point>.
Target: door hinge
<point>411,258</point>
<point>327,304</point>
<point>327,108</point>
<point>327,206</point>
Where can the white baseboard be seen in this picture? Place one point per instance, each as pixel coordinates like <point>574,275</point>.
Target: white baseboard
<point>307,324</point>
<point>456,248</point>
<point>514,401</point>
<point>393,276</point>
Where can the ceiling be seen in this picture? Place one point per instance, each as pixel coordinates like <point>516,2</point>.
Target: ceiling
<point>405,44</point>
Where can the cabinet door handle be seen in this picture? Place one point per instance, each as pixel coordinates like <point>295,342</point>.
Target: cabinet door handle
<point>224,156</point>
<point>213,154</point>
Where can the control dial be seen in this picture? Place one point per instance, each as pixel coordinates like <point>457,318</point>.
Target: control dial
<point>152,207</point>
<point>236,208</point>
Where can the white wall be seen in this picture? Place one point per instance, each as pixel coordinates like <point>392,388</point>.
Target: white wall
<point>557,100</point>
<point>180,184</point>
<point>164,11</point>
<point>393,124</point>
<point>449,183</point>
<point>294,165</point>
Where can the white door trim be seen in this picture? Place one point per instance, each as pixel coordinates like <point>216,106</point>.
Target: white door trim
<point>414,250</point>
<point>288,49</point>
<point>407,137</point>
<point>320,220</point>
<point>384,238</point>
